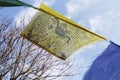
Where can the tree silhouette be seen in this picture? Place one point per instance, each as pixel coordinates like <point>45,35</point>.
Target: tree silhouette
<point>22,60</point>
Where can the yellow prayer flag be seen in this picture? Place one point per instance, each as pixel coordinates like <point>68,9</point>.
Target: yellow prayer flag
<point>58,34</point>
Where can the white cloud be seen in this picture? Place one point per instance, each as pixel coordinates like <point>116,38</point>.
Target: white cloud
<point>95,21</point>
<point>27,14</point>
<point>107,25</point>
<point>75,6</point>
<point>24,16</point>
<point>49,2</point>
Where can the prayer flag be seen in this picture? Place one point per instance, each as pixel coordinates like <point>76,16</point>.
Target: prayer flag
<point>11,3</point>
<point>57,34</point>
<point>106,66</point>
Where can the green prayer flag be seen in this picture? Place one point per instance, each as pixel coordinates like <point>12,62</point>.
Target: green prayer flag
<point>11,3</point>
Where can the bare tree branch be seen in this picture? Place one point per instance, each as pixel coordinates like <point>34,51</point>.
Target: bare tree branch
<point>20,59</point>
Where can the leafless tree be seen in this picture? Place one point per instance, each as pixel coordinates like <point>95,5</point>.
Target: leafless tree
<point>22,60</point>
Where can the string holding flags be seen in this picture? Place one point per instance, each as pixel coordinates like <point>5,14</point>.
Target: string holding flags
<point>57,34</point>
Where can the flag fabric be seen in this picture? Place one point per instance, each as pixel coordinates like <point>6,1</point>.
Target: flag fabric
<point>57,34</point>
<point>106,66</point>
<point>11,3</point>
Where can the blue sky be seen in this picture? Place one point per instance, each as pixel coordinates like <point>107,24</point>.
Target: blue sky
<point>100,16</point>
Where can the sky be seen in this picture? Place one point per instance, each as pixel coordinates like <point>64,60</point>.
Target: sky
<point>99,16</point>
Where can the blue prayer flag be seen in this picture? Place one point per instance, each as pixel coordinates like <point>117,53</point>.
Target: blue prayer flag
<point>106,66</point>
